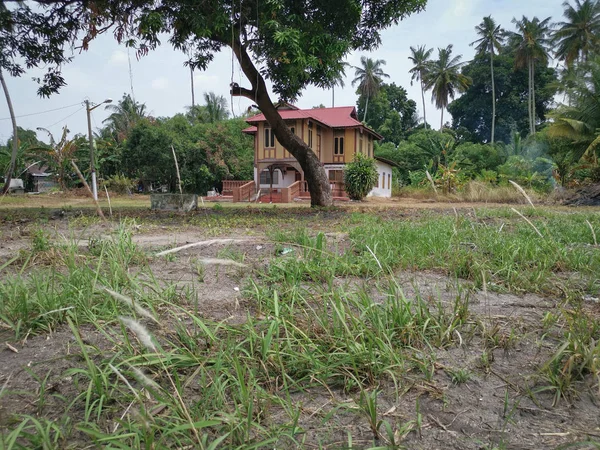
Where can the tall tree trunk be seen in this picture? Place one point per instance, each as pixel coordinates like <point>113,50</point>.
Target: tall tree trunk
<point>529,97</point>
<point>423,98</point>
<point>533,115</point>
<point>493,97</point>
<point>15,140</point>
<point>366,107</point>
<point>333,96</point>
<point>192,85</point>
<point>442,120</point>
<point>314,173</point>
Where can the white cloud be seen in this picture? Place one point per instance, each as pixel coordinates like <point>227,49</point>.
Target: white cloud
<point>160,83</point>
<point>203,79</point>
<point>118,58</point>
<point>458,15</point>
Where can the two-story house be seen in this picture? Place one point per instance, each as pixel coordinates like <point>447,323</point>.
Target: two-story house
<point>334,134</point>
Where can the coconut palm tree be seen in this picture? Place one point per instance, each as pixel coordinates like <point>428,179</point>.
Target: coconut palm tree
<point>420,58</point>
<point>15,139</point>
<point>444,79</point>
<point>216,107</point>
<point>491,38</point>
<point>369,78</point>
<point>338,81</point>
<point>530,44</point>
<point>125,114</point>
<point>580,121</point>
<point>578,36</point>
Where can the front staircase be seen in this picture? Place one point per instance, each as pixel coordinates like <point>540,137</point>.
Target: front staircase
<point>245,191</point>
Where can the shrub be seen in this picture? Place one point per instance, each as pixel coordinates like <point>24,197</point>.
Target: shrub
<point>417,177</point>
<point>360,176</point>
<point>119,184</point>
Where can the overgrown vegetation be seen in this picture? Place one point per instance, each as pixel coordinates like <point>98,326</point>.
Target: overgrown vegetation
<point>323,316</point>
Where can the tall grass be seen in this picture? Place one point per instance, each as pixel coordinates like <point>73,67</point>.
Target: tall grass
<point>38,298</point>
<point>173,379</point>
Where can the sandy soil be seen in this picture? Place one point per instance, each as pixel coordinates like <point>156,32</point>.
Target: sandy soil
<point>496,405</point>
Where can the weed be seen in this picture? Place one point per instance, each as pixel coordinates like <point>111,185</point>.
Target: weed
<point>368,406</point>
<point>40,241</point>
<point>459,376</point>
<point>200,269</point>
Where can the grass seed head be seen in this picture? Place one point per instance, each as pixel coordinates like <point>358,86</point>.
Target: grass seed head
<point>131,303</point>
<point>140,331</point>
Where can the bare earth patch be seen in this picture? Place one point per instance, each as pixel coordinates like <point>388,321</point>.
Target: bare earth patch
<point>484,392</point>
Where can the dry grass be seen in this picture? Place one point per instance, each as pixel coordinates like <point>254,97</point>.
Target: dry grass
<point>474,191</point>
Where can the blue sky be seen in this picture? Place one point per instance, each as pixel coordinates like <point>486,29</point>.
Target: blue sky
<point>162,82</point>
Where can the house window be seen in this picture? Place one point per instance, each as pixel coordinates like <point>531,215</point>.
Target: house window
<point>389,180</point>
<point>360,145</point>
<point>336,175</point>
<point>310,138</point>
<point>293,130</point>
<point>383,181</point>
<point>269,138</point>
<point>338,148</point>
<point>265,177</point>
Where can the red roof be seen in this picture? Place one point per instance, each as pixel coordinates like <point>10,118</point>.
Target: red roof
<point>250,130</point>
<point>338,117</point>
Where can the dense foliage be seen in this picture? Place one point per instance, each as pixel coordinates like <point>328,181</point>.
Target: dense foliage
<point>505,123</point>
<point>473,110</point>
<point>133,150</point>
<point>360,176</point>
<point>391,113</point>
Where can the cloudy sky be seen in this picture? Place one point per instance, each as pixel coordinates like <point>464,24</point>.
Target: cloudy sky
<point>162,82</point>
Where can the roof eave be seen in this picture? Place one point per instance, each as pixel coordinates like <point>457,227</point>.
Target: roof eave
<point>386,161</point>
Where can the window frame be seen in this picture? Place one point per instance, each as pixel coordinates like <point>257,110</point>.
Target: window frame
<point>269,137</point>
<point>267,174</point>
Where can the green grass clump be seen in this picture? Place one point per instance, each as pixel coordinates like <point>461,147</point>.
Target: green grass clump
<point>37,299</point>
<point>328,317</point>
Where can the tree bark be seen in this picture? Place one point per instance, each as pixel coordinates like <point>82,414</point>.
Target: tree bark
<point>314,173</point>
<point>442,120</point>
<point>15,140</point>
<point>529,97</point>
<point>423,98</point>
<point>366,108</point>
<point>533,117</point>
<point>192,85</point>
<point>493,97</point>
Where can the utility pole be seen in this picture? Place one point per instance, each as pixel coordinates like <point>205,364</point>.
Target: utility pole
<point>91,139</point>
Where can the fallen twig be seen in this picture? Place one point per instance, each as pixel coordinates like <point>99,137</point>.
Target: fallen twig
<point>199,244</point>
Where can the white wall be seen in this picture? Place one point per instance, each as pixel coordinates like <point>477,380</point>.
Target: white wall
<point>383,170</point>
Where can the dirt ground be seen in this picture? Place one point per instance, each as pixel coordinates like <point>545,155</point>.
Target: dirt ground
<point>495,408</point>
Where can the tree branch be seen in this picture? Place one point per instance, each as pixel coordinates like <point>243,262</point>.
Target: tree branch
<point>238,91</point>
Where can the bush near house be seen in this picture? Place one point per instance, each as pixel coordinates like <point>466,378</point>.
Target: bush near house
<point>360,177</point>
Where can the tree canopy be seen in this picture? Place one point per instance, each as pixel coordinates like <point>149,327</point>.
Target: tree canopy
<point>293,44</point>
<point>391,113</point>
<point>473,109</point>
